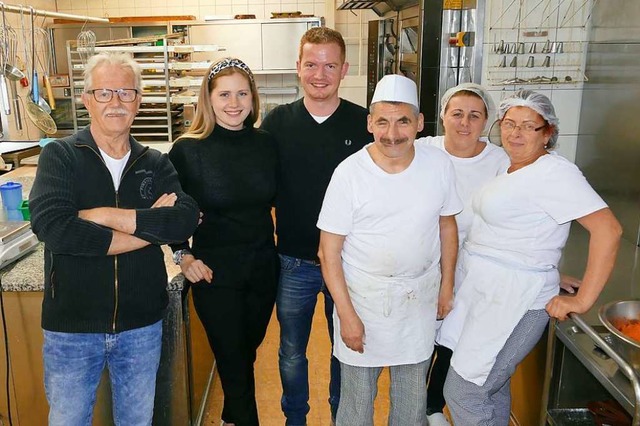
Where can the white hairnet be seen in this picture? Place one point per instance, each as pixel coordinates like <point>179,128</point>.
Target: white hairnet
<point>537,102</point>
<point>473,88</point>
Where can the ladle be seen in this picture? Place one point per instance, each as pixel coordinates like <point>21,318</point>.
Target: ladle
<point>35,89</point>
<point>36,113</point>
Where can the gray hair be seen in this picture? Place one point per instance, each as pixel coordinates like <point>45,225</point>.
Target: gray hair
<point>537,102</point>
<point>121,60</point>
<point>415,110</point>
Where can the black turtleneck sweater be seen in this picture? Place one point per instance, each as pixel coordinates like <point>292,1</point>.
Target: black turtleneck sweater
<point>232,176</point>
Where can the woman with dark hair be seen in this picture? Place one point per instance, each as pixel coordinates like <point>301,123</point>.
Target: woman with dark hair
<point>466,111</point>
<point>229,167</point>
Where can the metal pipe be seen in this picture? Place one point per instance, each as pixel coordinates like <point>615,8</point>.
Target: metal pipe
<point>49,14</point>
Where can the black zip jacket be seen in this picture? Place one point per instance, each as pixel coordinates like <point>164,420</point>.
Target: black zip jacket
<point>86,290</point>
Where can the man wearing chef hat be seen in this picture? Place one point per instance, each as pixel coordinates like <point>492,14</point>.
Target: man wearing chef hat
<point>388,249</point>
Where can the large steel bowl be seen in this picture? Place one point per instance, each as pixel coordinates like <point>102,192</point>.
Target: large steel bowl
<point>625,346</point>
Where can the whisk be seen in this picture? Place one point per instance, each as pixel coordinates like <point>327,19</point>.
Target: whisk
<point>86,45</point>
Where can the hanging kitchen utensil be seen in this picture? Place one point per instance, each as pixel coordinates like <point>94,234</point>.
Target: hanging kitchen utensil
<point>86,45</point>
<point>36,113</point>
<point>12,73</point>
<point>47,65</point>
<point>35,83</point>
<point>494,136</point>
<point>4,91</point>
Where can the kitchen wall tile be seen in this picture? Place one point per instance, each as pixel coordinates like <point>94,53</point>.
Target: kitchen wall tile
<point>159,11</point>
<point>240,9</point>
<point>274,80</point>
<point>319,9</point>
<point>80,9</point>
<point>126,11</point>
<point>63,5</point>
<point>259,11</point>
<point>94,4</point>
<point>342,28</point>
<point>205,11</point>
<point>566,146</point>
<point>111,12</point>
<point>289,7</point>
<point>180,10</point>
<point>142,4</point>
<point>190,3</point>
<point>567,104</point>
<point>290,80</point>
<point>223,10</point>
<point>100,13</point>
<point>341,16</point>
<point>306,8</point>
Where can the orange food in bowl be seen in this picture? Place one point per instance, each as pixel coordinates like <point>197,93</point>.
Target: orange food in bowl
<point>629,327</point>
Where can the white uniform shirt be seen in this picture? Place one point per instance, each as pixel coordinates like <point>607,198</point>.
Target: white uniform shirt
<point>520,225</point>
<point>391,251</point>
<point>523,218</point>
<point>471,174</point>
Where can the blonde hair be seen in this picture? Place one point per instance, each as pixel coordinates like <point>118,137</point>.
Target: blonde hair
<point>205,119</point>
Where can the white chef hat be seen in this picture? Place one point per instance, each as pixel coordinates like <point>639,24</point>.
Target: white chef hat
<point>396,88</point>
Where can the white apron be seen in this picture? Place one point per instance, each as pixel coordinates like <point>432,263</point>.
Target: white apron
<point>491,301</point>
<point>399,316</point>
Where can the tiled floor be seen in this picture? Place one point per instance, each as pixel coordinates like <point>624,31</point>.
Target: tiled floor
<point>269,390</point>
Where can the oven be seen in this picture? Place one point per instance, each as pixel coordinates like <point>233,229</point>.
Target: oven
<point>63,113</point>
<point>381,52</point>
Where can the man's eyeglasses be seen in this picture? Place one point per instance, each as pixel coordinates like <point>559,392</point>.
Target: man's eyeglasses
<point>510,126</point>
<point>105,95</point>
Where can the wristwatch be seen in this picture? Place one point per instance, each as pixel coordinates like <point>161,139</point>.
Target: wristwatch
<point>178,255</point>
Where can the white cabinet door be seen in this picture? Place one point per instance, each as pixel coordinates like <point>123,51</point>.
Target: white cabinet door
<point>240,40</point>
<point>280,44</point>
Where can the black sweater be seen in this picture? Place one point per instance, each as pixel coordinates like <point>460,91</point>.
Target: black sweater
<point>232,176</point>
<point>309,152</point>
<point>87,290</point>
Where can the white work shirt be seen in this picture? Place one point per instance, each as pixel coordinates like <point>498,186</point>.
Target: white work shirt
<point>520,225</point>
<point>471,174</point>
<point>391,252</point>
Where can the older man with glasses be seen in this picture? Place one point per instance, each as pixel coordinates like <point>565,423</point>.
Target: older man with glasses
<point>103,204</point>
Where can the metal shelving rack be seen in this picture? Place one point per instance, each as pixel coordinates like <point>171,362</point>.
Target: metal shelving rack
<point>165,88</point>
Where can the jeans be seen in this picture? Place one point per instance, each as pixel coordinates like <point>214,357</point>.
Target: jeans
<point>73,364</point>
<point>300,283</point>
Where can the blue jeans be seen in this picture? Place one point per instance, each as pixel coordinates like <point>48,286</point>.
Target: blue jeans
<point>300,283</point>
<point>73,364</point>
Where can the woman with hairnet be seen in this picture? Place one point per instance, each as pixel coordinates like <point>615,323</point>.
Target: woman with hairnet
<point>465,111</point>
<point>510,278</point>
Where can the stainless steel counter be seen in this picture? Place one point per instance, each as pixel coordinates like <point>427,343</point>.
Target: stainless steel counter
<point>578,371</point>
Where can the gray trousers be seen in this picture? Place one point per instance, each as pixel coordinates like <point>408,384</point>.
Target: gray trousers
<point>490,404</point>
<point>408,395</point>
